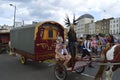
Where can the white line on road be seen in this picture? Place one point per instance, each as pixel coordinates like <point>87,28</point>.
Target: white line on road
<point>87,75</point>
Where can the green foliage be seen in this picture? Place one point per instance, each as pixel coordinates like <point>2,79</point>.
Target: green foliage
<point>102,34</point>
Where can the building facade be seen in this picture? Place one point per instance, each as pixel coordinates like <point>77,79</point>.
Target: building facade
<point>115,26</point>
<point>98,27</point>
<point>82,21</point>
<point>106,25</point>
<point>103,26</point>
<point>92,28</point>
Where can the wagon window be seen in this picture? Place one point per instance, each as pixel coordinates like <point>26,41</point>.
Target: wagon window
<point>50,33</point>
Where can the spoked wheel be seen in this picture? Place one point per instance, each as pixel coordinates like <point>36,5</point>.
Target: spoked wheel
<point>80,70</point>
<point>60,72</point>
<point>23,59</point>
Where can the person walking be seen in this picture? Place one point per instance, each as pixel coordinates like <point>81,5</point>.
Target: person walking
<point>87,49</point>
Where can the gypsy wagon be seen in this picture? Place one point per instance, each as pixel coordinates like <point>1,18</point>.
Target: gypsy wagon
<point>37,41</point>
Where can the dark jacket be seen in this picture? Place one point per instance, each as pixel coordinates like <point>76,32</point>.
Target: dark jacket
<point>72,37</point>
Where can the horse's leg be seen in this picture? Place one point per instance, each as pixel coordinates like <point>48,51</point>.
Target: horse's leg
<point>115,67</point>
<point>109,74</point>
<point>98,76</point>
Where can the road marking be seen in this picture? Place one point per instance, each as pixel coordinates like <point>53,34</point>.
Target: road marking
<point>87,75</point>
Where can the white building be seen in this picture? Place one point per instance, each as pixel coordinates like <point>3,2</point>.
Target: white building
<point>92,28</point>
<point>18,24</point>
<point>82,20</point>
<point>115,26</point>
<point>5,27</point>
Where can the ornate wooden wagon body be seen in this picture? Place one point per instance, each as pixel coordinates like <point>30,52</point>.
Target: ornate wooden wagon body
<point>37,41</point>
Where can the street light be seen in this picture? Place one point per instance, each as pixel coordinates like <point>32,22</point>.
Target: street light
<point>14,14</point>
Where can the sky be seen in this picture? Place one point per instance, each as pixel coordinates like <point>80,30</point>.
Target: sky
<point>56,10</point>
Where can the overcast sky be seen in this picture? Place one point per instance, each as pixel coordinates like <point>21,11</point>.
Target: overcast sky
<point>56,10</point>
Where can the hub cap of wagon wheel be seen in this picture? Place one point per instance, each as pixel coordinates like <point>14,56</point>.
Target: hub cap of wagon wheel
<point>80,70</point>
<point>60,72</point>
<point>23,60</point>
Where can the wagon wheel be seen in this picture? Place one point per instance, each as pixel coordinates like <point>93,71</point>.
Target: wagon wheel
<point>23,59</point>
<point>60,71</point>
<point>80,70</point>
<point>2,50</point>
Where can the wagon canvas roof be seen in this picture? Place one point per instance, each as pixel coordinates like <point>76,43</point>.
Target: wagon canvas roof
<point>27,26</point>
<point>33,25</point>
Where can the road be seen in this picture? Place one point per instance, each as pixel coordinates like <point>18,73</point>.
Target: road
<point>12,69</point>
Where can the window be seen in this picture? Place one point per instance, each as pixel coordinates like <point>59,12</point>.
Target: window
<point>50,33</point>
<point>117,25</point>
<point>117,21</point>
<point>114,21</point>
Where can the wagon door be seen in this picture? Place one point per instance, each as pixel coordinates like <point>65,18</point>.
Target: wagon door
<point>49,39</point>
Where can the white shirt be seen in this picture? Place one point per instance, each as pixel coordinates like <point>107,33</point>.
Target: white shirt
<point>87,45</point>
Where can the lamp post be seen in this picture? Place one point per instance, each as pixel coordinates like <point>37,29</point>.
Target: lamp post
<point>14,14</point>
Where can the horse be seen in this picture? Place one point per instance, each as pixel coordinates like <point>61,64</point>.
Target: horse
<point>110,54</point>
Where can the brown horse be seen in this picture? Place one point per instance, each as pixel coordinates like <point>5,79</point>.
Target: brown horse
<point>110,54</point>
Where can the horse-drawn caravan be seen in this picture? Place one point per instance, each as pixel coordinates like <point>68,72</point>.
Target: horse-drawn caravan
<point>37,41</point>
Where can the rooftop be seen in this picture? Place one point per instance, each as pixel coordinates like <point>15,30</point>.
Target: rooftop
<point>85,16</point>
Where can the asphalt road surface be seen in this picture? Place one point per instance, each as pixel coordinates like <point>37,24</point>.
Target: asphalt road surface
<point>12,69</point>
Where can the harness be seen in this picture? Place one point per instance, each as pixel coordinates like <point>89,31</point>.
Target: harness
<point>116,57</point>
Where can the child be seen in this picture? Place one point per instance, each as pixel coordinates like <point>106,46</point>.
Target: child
<point>61,52</point>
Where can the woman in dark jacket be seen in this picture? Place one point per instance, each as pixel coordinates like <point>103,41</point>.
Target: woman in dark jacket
<point>72,39</point>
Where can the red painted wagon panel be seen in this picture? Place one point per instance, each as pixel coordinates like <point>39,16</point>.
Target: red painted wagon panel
<point>4,39</point>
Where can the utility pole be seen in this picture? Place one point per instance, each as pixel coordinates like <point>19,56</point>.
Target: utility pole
<point>14,14</point>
